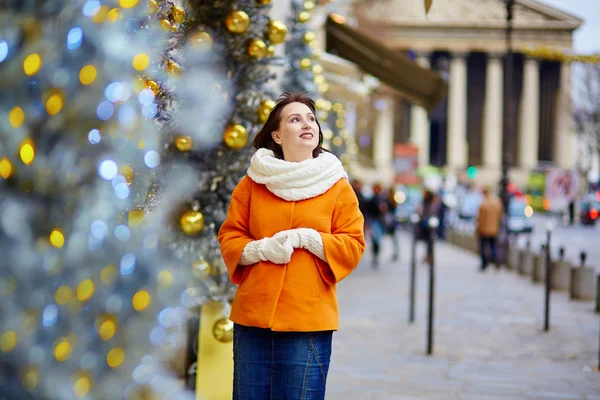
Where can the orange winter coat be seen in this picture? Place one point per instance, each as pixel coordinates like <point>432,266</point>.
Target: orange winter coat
<point>301,295</point>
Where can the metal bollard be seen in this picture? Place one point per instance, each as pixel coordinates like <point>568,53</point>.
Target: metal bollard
<point>433,224</point>
<point>548,277</point>
<point>414,219</point>
<point>538,274</point>
<point>526,267</point>
<point>582,281</point>
<point>561,272</point>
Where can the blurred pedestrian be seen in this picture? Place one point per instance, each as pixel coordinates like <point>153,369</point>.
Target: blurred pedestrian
<point>391,223</point>
<point>488,226</point>
<point>441,214</point>
<point>428,209</point>
<point>375,209</point>
<point>357,185</point>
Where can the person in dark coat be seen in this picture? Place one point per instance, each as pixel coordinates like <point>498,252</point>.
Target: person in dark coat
<point>375,209</point>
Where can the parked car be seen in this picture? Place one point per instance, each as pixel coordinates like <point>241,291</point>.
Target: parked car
<point>589,209</point>
<point>519,216</point>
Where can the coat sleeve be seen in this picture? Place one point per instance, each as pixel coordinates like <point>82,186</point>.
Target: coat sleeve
<point>234,234</point>
<point>345,244</point>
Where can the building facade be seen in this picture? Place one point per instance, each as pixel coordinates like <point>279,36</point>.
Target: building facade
<point>465,41</point>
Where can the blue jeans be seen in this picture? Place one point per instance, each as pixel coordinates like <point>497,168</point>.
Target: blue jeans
<point>280,365</point>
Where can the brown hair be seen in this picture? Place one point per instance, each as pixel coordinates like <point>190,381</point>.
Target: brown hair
<point>264,139</point>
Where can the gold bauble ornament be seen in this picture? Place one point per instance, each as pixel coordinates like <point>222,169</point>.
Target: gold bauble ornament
<point>305,63</point>
<point>153,86</point>
<point>271,51</point>
<point>264,110</point>
<point>235,136</point>
<point>237,22</point>
<point>178,14</point>
<point>308,37</point>
<point>303,17</point>
<point>257,48</point>
<point>165,24</point>
<point>183,143</point>
<point>309,5</point>
<point>172,67</point>
<point>319,79</point>
<point>317,69</point>
<point>152,6</point>
<point>316,54</point>
<point>191,222</point>
<point>223,330</point>
<point>277,32</point>
<point>264,2</point>
<point>201,40</point>
<point>201,269</point>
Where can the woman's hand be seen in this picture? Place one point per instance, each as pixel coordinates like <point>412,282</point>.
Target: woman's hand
<point>303,238</point>
<point>276,250</point>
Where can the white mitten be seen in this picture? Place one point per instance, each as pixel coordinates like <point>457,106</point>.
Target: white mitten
<point>304,238</point>
<point>267,249</point>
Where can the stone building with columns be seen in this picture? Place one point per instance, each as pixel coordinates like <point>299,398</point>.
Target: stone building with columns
<point>465,41</point>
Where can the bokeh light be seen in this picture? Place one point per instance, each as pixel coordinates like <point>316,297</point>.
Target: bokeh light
<point>62,350</point>
<point>108,169</point>
<point>152,159</point>
<point>16,117</point>
<point>3,50</point>
<point>54,104</point>
<point>27,152</point>
<point>74,38</point>
<point>8,341</point>
<point>87,74</point>
<point>108,274</point>
<point>141,300</point>
<point>85,290</point>
<point>115,357</point>
<point>94,136</point>
<point>127,264</point>
<point>57,239</point>
<point>32,64</point>
<point>82,385</point>
<point>128,3</point>
<point>105,110</point>
<point>5,168</point>
<point>91,7</point>
<point>141,62</point>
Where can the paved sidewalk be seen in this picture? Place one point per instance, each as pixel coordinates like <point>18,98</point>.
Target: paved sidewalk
<point>489,342</point>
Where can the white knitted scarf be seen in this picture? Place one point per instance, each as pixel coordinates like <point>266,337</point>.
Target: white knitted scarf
<point>294,181</point>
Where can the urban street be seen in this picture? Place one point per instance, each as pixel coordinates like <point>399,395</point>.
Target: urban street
<point>574,238</point>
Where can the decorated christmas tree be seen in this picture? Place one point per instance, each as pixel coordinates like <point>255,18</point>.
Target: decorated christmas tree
<point>93,302</point>
<point>240,37</point>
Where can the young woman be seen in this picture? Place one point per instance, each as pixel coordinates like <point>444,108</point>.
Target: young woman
<point>293,231</point>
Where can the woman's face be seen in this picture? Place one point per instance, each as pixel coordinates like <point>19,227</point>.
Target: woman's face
<point>298,133</point>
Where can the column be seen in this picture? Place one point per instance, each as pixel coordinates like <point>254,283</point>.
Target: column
<point>493,111</point>
<point>563,135</point>
<point>457,113</point>
<point>529,123</point>
<point>383,137</point>
<point>419,121</point>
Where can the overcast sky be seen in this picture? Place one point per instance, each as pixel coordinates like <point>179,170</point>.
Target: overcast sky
<point>587,36</point>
